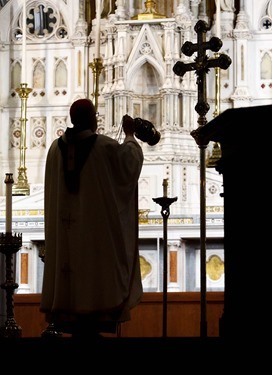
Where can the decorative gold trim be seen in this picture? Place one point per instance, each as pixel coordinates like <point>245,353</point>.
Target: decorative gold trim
<point>215,267</point>
<point>143,216</point>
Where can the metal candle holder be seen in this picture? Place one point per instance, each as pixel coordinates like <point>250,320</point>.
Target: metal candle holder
<point>97,67</point>
<point>22,186</point>
<point>9,245</point>
<point>165,203</point>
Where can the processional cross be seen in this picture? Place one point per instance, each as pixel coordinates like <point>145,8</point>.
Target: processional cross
<point>201,66</point>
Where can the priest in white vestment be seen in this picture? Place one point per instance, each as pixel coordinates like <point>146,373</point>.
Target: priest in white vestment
<point>91,272</point>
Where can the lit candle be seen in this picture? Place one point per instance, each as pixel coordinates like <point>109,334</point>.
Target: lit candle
<point>97,29</point>
<point>23,78</point>
<point>218,19</point>
<point>164,184</point>
<point>9,181</point>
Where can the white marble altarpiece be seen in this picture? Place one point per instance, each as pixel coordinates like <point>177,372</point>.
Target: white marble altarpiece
<point>138,48</point>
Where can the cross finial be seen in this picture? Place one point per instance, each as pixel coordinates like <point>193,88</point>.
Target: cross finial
<point>202,64</point>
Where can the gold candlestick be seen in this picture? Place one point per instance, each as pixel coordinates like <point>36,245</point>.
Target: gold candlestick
<point>97,67</point>
<point>22,186</point>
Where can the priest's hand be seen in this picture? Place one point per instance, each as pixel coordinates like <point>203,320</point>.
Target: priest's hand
<point>128,125</point>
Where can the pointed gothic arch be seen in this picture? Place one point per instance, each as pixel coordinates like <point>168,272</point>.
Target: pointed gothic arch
<point>60,73</point>
<point>38,74</point>
<point>145,80</point>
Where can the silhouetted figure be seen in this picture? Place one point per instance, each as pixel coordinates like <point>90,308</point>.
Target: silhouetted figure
<point>92,273</point>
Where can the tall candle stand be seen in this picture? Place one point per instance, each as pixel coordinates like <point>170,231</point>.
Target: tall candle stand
<point>9,245</point>
<point>165,203</point>
<point>97,67</point>
<point>22,186</point>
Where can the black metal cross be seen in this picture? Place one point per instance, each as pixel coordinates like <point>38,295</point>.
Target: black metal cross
<point>201,66</point>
